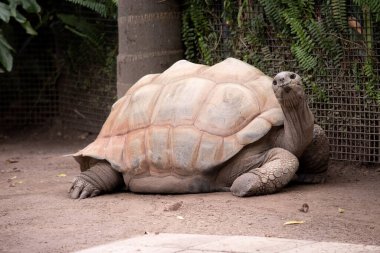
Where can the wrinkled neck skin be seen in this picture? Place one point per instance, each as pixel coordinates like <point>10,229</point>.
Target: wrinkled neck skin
<point>298,123</point>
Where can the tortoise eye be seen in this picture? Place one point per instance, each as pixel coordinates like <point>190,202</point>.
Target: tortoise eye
<point>293,76</point>
<point>274,82</point>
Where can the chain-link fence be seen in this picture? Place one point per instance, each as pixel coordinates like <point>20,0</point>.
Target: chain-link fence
<point>62,73</point>
<point>88,88</point>
<point>58,75</point>
<point>28,94</point>
<point>335,48</point>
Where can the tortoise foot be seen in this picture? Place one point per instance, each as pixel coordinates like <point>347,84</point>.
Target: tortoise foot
<point>81,189</point>
<point>246,185</point>
<point>278,169</point>
<point>99,179</point>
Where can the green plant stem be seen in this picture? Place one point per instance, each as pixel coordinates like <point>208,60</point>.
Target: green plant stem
<point>368,30</point>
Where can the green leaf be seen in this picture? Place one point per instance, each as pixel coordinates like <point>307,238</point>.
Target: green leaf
<point>93,5</point>
<point>30,6</point>
<point>81,27</point>
<point>12,6</point>
<point>4,42</point>
<point>28,28</point>
<point>6,58</point>
<point>5,12</point>
<point>18,16</point>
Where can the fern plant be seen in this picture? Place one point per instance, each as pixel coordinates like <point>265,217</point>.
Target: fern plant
<point>197,32</point>
<point>105,8</point>
<point>87,29</point>
<point>370,8</point>
<point>339,11</point>
<point>262,34</point>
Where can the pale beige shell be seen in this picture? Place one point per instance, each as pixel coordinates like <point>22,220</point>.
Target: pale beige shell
<point>186,120</point>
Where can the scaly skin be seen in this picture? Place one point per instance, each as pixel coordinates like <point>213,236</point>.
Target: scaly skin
<point>280,164</point>
<point>278,169</point>
<point>99,179</point>
<point>315,160</point>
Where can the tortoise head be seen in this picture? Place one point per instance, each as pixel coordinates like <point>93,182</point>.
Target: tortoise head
<point>287,87</point>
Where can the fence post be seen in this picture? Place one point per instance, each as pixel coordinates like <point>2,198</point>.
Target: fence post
<point>149,39</point>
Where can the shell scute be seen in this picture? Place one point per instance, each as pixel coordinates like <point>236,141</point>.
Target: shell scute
<point>227,110</point>
<point>231,70</point>
<point>174,106</point>
<point>179,71</point>
<point>158,146</point>
<point>134,153</point>
<point>185,143</point>
<point>210,152</point>
<point>137,113</point>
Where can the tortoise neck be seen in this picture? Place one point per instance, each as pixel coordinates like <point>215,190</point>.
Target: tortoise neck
<point>298,127</point>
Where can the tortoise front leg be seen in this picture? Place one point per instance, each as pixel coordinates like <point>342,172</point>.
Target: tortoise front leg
<point>278,168</point>
<point>100,178</point>
<point>315,160</point>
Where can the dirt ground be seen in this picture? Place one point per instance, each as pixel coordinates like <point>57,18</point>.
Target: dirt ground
<point>36,214</point>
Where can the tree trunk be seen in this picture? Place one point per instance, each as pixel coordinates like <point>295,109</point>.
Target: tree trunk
<point>149,39</point>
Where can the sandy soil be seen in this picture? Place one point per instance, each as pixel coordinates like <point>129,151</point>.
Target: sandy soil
<point>36,214</point>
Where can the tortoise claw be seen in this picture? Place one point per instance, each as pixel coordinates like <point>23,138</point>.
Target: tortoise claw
<point>75,192</point>
<point>85,194</point>
<point>89,192</point>
<point>81,189</point>
<point>95,193</point>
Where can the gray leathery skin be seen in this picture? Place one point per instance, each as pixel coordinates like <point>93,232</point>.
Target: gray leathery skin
<point>100,178</point>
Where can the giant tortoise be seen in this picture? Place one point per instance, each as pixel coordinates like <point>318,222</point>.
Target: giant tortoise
<point>196,128</point>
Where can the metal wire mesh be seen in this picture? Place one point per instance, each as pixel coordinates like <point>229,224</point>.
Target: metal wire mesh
<point>88,89</point>
<point>28,94</point>
<point>340,99</point>
<point>82,91</point>
<point>59,75</point>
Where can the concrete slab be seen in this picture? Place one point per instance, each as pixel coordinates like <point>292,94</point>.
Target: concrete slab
<point>249,244</point>
<point>195,243</point>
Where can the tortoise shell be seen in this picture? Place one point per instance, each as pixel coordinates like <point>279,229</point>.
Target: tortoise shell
<point>186,120</point>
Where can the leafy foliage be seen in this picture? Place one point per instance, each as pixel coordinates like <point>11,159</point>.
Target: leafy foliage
<point>51,16</point>
<point>196,31</point>
<point>261,32</point>
<point>370,5</point>
<point>12,10</point>
<point>105,8</point>
<point>339,13</point>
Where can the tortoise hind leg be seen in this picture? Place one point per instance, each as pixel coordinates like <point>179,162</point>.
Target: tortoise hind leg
<point>100,178</point>
<point>278,168</point>
<point>314,161</point>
